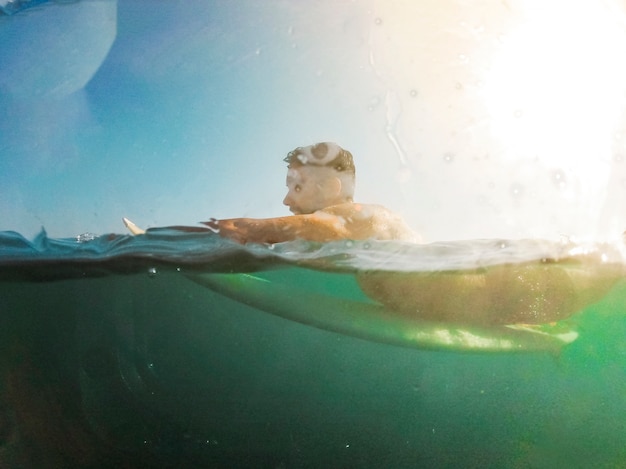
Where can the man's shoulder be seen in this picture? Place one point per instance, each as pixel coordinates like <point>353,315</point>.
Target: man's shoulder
<point>371,221</point>
<point>353,208</point>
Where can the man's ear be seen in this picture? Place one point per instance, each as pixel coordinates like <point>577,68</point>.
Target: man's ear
<point>334,186</point>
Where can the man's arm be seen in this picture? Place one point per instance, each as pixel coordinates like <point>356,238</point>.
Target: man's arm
<point>317,226</point>
<point>345,221</point>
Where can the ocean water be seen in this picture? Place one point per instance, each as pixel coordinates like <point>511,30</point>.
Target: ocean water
<point>113,357</point>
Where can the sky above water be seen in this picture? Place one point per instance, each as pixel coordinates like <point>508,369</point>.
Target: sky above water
<point>502,119</point>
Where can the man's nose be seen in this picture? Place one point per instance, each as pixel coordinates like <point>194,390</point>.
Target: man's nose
<point>287,200</point>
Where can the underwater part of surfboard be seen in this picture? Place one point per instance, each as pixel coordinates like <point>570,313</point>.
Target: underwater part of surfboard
<point>371,321</point>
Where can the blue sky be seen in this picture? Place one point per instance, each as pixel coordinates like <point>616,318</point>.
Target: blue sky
<point>172,112</point>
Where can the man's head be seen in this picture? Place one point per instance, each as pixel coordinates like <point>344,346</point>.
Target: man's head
<point>319,176</point>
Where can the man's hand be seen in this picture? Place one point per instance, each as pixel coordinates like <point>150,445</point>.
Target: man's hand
<point>232,228</point>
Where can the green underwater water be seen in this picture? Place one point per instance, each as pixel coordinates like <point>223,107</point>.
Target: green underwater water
<point>156,371</point>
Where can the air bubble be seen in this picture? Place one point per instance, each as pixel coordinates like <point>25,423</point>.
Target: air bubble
<point>518,113</point>
<point>378,21</point>
<point>152,271</point>
<point>448,157</point>
<point>413,93</point>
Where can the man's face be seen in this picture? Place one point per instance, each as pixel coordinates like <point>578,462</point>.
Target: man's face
<point>310,188</point>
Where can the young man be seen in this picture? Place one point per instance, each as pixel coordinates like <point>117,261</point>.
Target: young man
<point>320,190</point>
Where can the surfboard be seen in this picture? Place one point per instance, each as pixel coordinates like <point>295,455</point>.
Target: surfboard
<point>373,322</point>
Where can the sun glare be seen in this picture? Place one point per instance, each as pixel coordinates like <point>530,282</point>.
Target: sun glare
<point>555,91</point>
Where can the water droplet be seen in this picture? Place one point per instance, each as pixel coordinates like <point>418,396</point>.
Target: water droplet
<point>152,271</point>
<point>404,175</point>
<point>518,113</point>
<point>558,179</point>
<point>448,157</point>
<point>516,190</point>
<point>458,85</point>
<point>378,21</point>
<point>413,93</point>
<point>373,104</point>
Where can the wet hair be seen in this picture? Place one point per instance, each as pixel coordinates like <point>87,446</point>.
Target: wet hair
<point>327,154</point>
